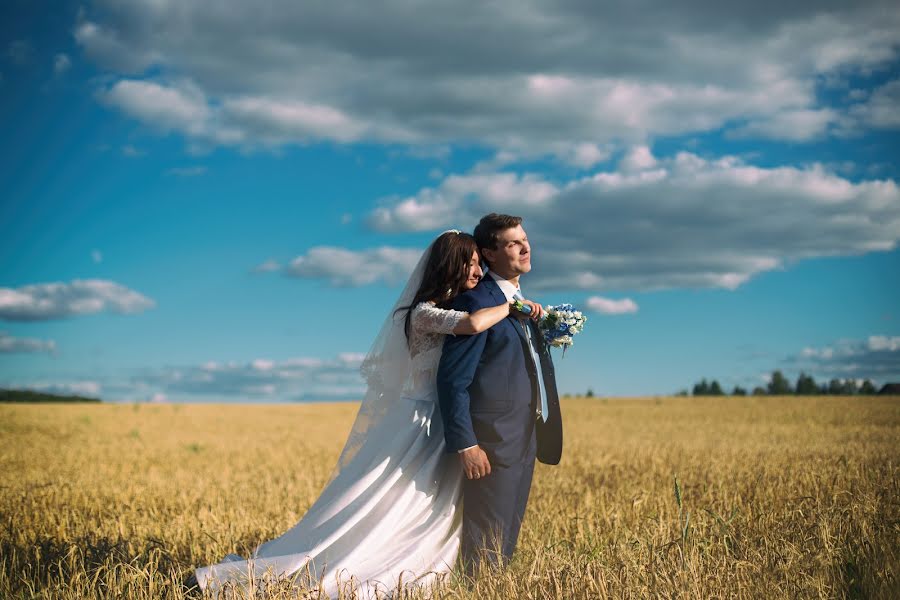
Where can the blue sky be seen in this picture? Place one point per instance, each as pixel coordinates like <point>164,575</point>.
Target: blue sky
<point>219,204</point>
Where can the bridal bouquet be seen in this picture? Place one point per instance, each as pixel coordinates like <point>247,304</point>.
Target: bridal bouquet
<point>560,323</point>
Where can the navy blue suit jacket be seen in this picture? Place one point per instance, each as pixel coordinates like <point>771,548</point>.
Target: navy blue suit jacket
<point>487,387</point>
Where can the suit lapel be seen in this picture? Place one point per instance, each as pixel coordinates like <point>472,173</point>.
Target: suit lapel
<point>498,295</point>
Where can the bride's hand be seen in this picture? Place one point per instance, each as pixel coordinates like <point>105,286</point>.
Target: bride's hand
<point>537,311</point>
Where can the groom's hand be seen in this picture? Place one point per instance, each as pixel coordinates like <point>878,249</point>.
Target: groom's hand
<point>475,463</point>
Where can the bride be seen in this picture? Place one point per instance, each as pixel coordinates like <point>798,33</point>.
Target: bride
<point>390,514</point>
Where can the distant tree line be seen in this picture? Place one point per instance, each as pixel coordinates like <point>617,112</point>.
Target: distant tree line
<point>31,396</point>
<point>779,385</point>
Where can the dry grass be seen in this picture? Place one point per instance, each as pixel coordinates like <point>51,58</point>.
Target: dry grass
<point>780,497</point>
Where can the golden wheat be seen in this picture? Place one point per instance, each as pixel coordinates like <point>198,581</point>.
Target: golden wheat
<point>775,497</point>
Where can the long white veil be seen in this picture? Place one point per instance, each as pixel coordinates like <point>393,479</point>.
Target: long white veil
<point>385,367</point>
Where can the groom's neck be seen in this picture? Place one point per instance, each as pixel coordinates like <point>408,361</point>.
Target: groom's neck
<point>511,277</point>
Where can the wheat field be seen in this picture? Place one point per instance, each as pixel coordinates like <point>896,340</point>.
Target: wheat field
<point>776,498</point>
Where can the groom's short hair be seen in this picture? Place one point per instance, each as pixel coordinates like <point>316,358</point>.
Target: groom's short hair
<point>490,226</point>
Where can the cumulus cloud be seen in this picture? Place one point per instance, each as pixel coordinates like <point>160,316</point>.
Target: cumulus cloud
<point>182,107</point>
<point>344,267</point>
<point>46,301</point>
<point>11,345</point>
<point>881,110</point>
<point>876,358</point>
<point>111,47</point>
<point>474,73</point>
<point>638,158</point>
<point>433,208</point>
<point>682,221</point>
<point>793,125</point>
<point>608,306</point>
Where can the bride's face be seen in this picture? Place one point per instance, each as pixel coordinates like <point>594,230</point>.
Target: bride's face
<point>475,272</point>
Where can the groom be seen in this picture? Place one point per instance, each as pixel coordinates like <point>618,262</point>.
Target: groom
<point>498,400</point>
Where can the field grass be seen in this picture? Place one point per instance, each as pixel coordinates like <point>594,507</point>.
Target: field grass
<point>778,497</point>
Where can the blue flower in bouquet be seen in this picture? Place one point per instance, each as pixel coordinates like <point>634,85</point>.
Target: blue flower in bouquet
<point>560,323</point>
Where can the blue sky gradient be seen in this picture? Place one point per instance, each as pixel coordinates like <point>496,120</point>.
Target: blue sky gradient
<point>753,228</point>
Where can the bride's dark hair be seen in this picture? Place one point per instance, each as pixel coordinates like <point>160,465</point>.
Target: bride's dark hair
<point>445,273</point>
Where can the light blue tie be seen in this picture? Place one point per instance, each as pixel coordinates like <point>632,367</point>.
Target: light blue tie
<point>537,364</point>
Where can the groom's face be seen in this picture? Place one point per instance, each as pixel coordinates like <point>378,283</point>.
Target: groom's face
<point>512,256</point>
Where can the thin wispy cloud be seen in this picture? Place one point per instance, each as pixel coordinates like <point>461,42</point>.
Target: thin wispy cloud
<point>61,63</point>
<point>876,357</point>
<point>87,388</point>
<point>291,379</point>
<point>132,152</point>
<point>267,266</point>
<point>14,345</point>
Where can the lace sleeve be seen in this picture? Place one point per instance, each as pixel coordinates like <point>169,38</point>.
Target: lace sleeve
<point>428,318</point>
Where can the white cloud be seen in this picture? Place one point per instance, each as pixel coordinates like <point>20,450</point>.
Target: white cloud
<point>881,110</point>
<point>96,256</point>
<point>880,343</point>
<point>45,301</point>
<point>182,108</point>
<point>876,357</point>
<point>262,364</point>
<point>472,72</point>
<point>638,158</point>
<point>10,344</point>
<point>296,378</point>
<point>276,122</point>
<point>343,267</point>
<point>433,208</point>
<point>682,221</point>
<point>609,306</point>
<point>61,63</point>
<point>106,45</point>
<point>793,125</point>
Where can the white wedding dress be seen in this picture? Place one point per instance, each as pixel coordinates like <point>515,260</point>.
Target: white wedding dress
<point>391,514</point>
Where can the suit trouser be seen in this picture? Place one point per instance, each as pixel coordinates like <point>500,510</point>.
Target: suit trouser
<point>493,509</point>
